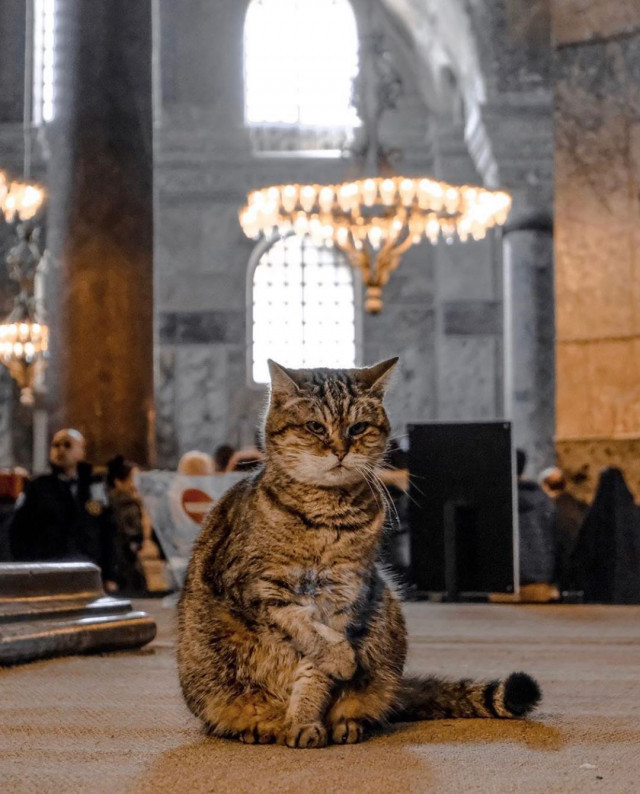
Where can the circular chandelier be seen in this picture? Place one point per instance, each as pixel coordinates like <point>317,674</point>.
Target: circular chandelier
<point>375,220</point>
<point>24,337</point>
<point>20,200</point>
<point>24,348</point>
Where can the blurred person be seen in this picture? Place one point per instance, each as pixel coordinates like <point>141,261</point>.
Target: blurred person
<point>570,513</point>
<point>65,515</point>
<point>134,538</point>
<point>608,547</point>
<point>221,457</point>
<point>195,463</point>
<point>536,521</point>
<point>247,459</point>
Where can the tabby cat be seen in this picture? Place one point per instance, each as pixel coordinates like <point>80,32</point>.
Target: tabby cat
<point>288,631</point>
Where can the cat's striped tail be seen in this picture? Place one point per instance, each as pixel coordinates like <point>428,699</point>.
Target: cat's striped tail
<point>436,698</point>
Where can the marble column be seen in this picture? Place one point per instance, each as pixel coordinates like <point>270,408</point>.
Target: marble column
<point>530,332</point>
<point>597,189</point>
<point>100,298</point>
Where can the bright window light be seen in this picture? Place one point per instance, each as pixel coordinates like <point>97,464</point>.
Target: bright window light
<point>303,308</point>
<point>44,18</point>
<point>300,57</point>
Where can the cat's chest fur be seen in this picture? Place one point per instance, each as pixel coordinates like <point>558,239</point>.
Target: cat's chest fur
<point>327,572</point>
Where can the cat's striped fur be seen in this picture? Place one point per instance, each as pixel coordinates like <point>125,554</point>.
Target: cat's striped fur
<point>288,631</point>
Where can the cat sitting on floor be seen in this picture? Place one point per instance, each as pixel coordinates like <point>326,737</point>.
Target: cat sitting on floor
<point>288,631</point>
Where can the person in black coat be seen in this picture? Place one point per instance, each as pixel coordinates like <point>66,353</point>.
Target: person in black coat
<point>570,513</point>
<point>608,548</point>
<point>65,516</point>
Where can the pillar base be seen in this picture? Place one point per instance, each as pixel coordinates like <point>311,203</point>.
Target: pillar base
<point>58,609</point>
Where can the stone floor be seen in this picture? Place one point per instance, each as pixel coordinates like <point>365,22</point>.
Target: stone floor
<point>116,723</point>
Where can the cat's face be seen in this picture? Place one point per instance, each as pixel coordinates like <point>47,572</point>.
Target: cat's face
<point>327,427</point>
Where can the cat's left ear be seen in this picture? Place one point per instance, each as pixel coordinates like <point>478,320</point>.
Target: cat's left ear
<point>281,380</point>
<point>376,378</point>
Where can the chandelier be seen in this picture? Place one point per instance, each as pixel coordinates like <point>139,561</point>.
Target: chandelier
<point>374,219</point>
<point>19,199</point>
<point>24,346</point>
<point>24,337</point>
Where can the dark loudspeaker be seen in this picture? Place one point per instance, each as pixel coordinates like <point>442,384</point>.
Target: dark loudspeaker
<point>461,512</point>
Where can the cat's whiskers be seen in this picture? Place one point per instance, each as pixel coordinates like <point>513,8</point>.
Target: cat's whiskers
<point>380,491</point>
<point>371,485</point>
<point>384,492</point>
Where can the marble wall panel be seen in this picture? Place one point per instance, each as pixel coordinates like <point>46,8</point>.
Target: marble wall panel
<point>466,378</point>
<point>410,397</point>
<point>472,317</point>
<point>201,397</point>
<point>468,269</point>
<point>581,20</point>
<point>208,327</point>
<point>613,375</point>
<point>573,395</point>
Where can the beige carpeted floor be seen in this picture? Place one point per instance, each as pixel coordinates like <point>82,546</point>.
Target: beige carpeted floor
<point>116,723</point>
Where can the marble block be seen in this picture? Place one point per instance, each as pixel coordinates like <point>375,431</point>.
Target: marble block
<point>201,396</point>
<point>581,20</point>
<point>467,378</point>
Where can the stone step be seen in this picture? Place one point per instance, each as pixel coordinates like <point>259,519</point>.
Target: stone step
<point>57,609</point>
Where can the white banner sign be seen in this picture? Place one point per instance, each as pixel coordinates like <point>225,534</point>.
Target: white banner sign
<point>177,505</point>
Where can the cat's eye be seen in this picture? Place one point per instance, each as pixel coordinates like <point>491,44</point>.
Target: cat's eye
<point>358,429</point>
<point>315,427</point>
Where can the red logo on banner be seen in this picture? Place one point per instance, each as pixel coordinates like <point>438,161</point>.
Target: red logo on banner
<point>196,504</point>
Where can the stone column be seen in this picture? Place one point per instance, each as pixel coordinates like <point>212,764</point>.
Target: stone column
<point>101,227</point>
<point>597,189</point>
<point>530,331</point>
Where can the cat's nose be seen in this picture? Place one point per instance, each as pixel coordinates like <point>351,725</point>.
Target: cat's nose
<point>340,454</point>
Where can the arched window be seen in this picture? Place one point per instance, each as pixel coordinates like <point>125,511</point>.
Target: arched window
<point>303,309</point>
<point>300,57</point>
<point>44,19</point>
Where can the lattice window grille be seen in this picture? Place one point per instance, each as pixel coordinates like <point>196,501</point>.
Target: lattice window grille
<point>303,308</point>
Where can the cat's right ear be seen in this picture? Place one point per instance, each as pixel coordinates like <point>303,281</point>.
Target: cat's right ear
<point>281,381</point>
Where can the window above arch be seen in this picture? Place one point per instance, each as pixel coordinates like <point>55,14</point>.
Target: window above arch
<point>303,308</point>
<point>300,58</point>
<point>44,32</point>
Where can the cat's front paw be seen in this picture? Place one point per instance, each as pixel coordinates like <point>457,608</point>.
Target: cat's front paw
<point>313,734</point>
<point>348,732</point>
<point>339,661</point>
